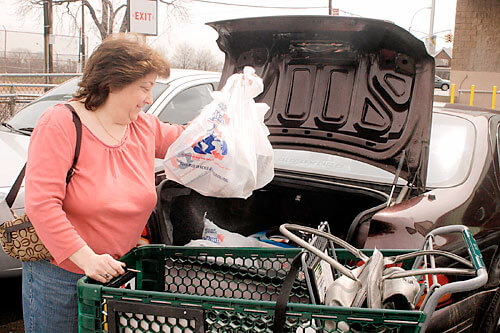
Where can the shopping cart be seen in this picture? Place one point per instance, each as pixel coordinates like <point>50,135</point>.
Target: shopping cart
<point>182,289</point>
<point>380,275</point>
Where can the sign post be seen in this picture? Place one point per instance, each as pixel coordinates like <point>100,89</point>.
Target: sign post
<point>143,17</point>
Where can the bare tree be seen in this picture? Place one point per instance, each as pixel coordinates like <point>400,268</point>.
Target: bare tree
<point>22,60</point>
<point>183,56</point>
<point>206,60</point>
<point>186,56</point>
<point>109,16</point>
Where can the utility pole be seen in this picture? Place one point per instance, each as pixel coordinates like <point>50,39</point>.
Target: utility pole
<point>5,50</point>
<point>330,7</point>
<point>431,37</point>
<point>48,37</point>
<point>83,34</point>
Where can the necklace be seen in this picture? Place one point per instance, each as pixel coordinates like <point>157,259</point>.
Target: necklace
<point>104,128</point>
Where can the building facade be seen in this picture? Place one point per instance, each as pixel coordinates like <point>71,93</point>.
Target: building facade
<point>476,51</point>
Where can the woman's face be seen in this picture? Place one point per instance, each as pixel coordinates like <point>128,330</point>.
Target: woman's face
<point>132,98</point>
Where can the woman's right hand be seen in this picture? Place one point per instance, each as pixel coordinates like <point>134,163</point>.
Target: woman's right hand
<point>100,267</point>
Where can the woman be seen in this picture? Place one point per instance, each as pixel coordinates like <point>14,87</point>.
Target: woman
<point>99,215</point>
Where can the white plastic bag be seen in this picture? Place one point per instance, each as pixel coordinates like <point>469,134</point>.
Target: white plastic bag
<point>225,152</point>
<point>213,235</point>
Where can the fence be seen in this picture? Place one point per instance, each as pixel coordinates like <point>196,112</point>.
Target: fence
<point>16,90</point>
<point>22,52</point>
<point>472,91</point>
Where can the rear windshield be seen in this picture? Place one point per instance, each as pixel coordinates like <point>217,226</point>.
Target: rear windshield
<point>451,150</point>
<point>450,157</point>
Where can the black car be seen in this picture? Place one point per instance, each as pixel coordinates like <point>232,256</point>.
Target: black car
<point>351,109</point>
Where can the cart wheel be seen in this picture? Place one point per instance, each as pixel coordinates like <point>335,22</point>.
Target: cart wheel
<point>491,310</point>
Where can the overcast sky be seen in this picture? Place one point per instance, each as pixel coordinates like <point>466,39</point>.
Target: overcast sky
<point>401,12</point>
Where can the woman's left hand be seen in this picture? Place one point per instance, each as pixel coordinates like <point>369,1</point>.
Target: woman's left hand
<point>100,267</point>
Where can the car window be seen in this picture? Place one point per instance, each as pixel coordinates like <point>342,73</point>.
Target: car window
<point>28,116</point>
<point>451,150</point>
<point>450,157</point>
<point>331,165</point>
<point>158,89</point>
<point>187,104</point>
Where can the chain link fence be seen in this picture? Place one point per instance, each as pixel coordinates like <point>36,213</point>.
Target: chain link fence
<point>23,52</point>
<point>16,90</point>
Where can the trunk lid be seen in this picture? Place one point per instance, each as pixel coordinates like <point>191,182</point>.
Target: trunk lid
<point>355,87</point>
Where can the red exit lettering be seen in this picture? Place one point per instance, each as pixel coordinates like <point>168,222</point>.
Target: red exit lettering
<point>142,16</point>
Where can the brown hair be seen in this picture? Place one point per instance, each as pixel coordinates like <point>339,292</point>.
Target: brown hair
<point>120,60</point>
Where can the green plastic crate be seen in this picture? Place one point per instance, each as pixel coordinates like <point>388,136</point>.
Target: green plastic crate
<point>183,289</point>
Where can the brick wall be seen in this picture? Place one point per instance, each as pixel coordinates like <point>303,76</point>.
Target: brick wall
<point>476,45</point>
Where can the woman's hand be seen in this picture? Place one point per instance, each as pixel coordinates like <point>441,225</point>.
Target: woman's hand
<point>100,267</point>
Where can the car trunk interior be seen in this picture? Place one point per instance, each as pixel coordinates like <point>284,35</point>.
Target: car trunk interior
<point>285,200</point>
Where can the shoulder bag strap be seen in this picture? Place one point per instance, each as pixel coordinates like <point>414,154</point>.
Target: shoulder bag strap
<point>11,196</point>
<point>78,126</point>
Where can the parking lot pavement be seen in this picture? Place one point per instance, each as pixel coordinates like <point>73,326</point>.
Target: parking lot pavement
<point>441,96</point>
<point>11,312</point>
<point>439,92</point>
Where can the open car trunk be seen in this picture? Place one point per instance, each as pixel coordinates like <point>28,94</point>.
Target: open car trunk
<point>180,210</point>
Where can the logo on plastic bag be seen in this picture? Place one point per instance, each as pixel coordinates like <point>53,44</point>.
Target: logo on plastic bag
<point>211,234</point>
<point>212,143</point>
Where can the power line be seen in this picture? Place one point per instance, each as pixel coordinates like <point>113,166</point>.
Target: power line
<point>256,6</point>
<point>352,14</point>
<point>271,7</point>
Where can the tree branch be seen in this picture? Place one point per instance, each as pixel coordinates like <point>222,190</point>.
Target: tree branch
<point>111,17</point>
<point>105,16</point>
<point>119,8</point>
<point>96,20</point>
<point>105,24</point>
<point>123,27</point>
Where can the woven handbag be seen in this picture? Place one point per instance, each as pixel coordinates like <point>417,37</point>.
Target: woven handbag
<point>17,235</point>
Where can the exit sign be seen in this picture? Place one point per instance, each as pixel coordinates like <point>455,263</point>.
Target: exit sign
<point>143,17</point>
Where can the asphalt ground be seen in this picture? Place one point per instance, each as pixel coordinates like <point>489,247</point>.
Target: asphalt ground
<point>11,312</point>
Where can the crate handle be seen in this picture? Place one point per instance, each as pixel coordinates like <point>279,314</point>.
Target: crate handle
<point>459,286</point>
<point>122,279</point>
<point>470,242</point>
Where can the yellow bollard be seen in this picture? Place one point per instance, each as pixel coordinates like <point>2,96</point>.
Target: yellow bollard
<point>471,94</point>
<point>452,94</point>
<point>494,97</point>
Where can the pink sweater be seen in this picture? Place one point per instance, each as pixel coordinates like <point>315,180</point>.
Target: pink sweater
<point>111,195</point>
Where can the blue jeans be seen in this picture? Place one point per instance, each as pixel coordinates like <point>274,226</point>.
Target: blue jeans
<point>50,303</point>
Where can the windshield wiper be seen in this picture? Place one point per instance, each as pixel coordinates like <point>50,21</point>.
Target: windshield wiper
<point>13,129</point>
<point>27,129</point>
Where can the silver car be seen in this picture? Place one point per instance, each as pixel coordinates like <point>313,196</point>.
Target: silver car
<point>440,83</point>
<point>177,99</point>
